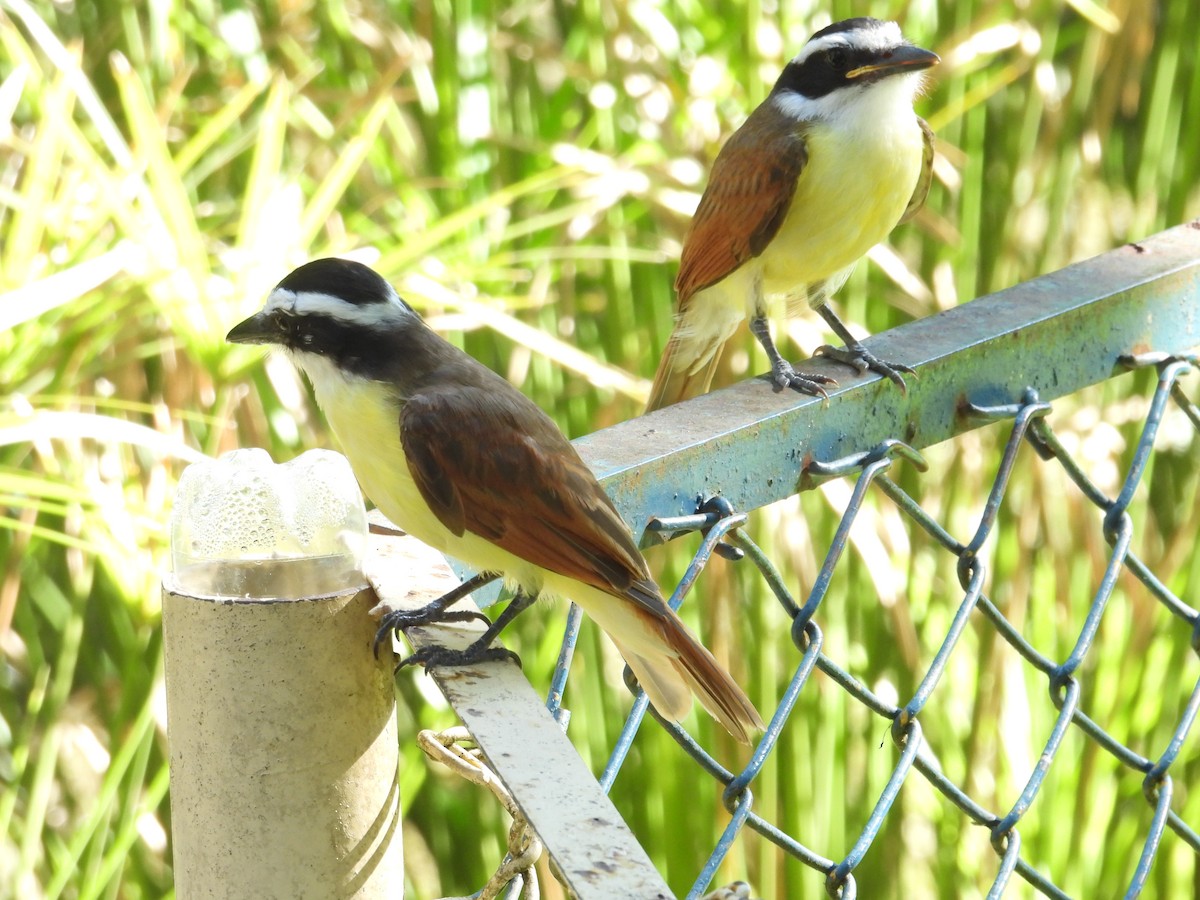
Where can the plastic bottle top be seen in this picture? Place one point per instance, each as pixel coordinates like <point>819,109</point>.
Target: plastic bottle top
<point>243,526</point>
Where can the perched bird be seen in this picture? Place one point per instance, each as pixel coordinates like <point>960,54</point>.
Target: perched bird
<point>821,171</point>
<point>456,456</point>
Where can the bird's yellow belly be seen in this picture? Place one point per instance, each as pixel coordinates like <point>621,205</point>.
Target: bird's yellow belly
<point>850,196</point>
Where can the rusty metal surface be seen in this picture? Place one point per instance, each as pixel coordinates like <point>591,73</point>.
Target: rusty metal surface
<point>749,444</point>
<point>596,854</point>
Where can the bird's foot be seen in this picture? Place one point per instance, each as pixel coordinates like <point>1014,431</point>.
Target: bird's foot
<point>861,359</point>
<point>426,615</point>
<point>444,656</point>
<point>784,376</point>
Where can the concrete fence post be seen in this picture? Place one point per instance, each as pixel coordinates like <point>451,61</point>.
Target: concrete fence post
<point>281,723</point>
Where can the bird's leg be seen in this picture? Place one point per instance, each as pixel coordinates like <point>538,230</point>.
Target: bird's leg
<point>433,612</point>
<point>782,373</point>
<point>480,650</point>
<point>856,355</point>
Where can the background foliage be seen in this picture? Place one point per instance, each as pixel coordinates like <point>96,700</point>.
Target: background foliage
<point>524,173</point>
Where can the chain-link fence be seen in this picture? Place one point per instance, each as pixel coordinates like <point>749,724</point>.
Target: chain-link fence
<point>997,362</point>
<point>1029,425</point>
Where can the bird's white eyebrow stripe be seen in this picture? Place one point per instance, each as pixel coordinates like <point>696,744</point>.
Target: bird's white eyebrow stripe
<point>877,37</point>
<point>318,304</point>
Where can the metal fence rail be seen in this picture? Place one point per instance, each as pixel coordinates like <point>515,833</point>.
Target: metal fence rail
<point>1000,358</point>
<point>1028,426</point>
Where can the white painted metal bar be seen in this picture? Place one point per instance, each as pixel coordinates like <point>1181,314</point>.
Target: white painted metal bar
<point>592,847</point>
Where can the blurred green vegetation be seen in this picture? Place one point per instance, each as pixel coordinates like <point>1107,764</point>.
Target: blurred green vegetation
<point>524,172</point>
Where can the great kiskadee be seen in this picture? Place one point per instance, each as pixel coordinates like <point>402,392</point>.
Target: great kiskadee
<point>456,456</point>
<point>821,171</point>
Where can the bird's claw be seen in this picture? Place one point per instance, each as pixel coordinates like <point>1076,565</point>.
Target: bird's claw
<point>784,376</point>
<point>444,656</point>
<point>863,360</point>
<point>407,618</point>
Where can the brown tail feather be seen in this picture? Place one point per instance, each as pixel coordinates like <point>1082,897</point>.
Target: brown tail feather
<point>668,693</point>
<point>669,661</point>
<point>670,682</point>
<point>678,379</point>
<point>713,686</point>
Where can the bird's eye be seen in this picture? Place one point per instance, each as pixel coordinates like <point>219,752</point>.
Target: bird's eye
<point>837,58</point>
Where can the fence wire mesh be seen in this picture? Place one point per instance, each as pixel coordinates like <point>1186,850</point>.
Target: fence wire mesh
<point>723,533</point>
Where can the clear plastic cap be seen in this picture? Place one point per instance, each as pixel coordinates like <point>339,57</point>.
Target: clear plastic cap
<point>243,526</point>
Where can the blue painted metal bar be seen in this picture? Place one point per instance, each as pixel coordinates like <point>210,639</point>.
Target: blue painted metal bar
<point>1190,409</point>
<point>1159,770</point>
<point>750,445</point>
<point>1092,621</point>
<point>934,674</point>
<point>741,813</point>
<point>1034,783</point>
<point>1008,864</point>
<point>840,538</point>
<point>1168,374</point>
<point>1182,829</point>
<point>1089,727</point>
<point>1022,419</point>
<point>909,742</point>
<point>1162,806</point>
<point>1038,880</point>
<point>981,816</point>
<point>562,668</point>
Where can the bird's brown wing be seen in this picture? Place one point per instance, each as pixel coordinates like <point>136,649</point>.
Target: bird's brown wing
<point>489,461</point>
<point>747,199</point>
<point>492,463</point>
<point>926,177</point>
<point>749,191</point>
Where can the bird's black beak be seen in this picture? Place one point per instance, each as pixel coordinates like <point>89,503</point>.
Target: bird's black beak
<point>258,329</point>
<point>906,58</point>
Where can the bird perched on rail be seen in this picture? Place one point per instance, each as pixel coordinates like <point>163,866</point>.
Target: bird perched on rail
<point>821,171</point>
<point>456,456</point>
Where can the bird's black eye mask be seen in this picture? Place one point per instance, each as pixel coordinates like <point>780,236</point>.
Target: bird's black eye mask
<point>824,72</point>
<point>377,354</point>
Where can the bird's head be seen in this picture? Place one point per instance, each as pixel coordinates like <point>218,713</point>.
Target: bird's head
<point>334,310</point>
<point>850,66</point>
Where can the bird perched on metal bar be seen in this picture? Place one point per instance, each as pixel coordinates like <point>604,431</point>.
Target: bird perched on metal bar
<point>456,456</point>
<point>821,171</point>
